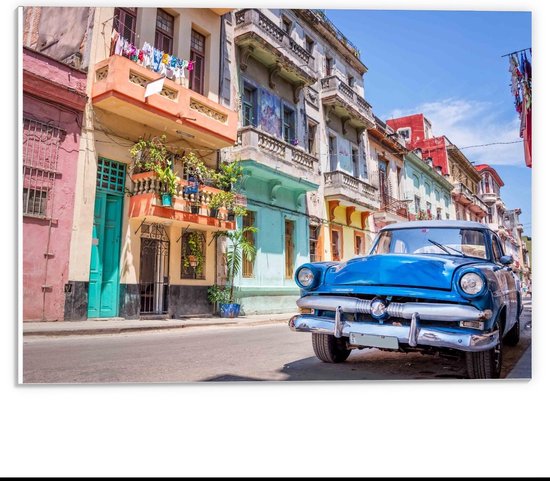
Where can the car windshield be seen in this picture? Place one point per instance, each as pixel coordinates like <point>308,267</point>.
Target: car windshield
<point>446,241</point>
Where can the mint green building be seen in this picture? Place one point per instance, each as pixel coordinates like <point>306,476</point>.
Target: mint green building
<point>426,189</point>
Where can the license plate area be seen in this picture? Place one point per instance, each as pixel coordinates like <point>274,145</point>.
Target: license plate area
<point>372,340</point>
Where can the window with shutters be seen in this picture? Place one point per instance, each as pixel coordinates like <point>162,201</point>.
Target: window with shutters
<point>198,57</point>
<point>164,33</point>
<point>125,22</point>
<point>314,231</point>
<point>249,105</point>
<point>336,244</point>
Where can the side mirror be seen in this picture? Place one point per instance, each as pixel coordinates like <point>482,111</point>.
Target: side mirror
<point>506,260</point>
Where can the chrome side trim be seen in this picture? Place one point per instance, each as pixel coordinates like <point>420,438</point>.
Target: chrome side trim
<point>425,310</point>
<point>426,336</point>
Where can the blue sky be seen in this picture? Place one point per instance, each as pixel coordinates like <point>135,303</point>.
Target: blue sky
<point>448,65</point>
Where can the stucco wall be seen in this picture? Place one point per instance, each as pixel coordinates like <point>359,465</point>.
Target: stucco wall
<point>50,306</point>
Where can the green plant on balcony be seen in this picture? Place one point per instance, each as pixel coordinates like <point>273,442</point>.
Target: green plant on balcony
<point>194,255</point>
<point>168,178</point>
<point>220,199</point>
<point>148,155</point>
<point>422,215</point>
<point>195,169</point>
<point>229,175</point>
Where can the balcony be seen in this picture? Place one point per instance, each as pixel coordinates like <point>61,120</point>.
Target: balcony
<point>350,191</point>
<point>462,195</point>
<point>276,154</point>
<point>489,197</point>
<point>342,100</point>
<point>478,206</point>
<point>392,210</point>
<point>119,88</point>
<point>257,36</point>
<point>145,201</point>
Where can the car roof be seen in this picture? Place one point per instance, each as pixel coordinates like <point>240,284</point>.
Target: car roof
<point>417,224</point>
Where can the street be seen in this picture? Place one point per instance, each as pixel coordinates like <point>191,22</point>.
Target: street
<point>247,353</point>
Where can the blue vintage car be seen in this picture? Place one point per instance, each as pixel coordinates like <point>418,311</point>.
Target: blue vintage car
<point>430,286</point>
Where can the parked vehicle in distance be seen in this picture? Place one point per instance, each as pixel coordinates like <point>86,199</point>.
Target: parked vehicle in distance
<point>431,286</point>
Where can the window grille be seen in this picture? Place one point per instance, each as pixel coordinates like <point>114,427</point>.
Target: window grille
<point>40,156</point>
<point>110,175</point>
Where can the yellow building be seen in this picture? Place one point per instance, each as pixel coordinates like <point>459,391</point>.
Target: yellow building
<point>130,254</point>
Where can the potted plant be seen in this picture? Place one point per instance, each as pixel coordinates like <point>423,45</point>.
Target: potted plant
<point>194,257</point>
<point>219,199</point>
<point>195,169</point>
<point>238,247</point>
<point>218,295</point>
<point>170,182</point>
<point>235,211</point>
<point>195,205</point>
<point>228,175</point>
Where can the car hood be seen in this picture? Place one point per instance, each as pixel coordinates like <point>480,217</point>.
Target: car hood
<point>428,271</point>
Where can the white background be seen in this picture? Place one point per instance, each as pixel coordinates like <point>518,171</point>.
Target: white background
<point>417,428</point>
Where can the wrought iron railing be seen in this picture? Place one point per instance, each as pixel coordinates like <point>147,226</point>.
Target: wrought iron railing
<point>394,206</point>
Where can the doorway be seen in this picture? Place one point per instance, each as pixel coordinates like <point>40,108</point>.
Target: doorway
<point>154,269</point>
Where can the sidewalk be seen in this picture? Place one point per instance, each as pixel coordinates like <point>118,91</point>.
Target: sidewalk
<point>116,326</point>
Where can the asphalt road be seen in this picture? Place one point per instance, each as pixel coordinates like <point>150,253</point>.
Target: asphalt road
<point>253,353</point>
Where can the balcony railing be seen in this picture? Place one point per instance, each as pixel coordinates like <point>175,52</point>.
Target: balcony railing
<point>394,206</point>
<point>256,29</point>
<point>337,33</point>
<point>252,141</point>
<point>339,183</point>
<point>147,189</point>
<point>119,87</point>
<point>334,89</point>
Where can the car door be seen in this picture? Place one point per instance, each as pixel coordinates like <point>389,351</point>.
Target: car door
<point>507,283</point>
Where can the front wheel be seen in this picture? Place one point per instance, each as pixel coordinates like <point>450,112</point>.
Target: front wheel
<point>329,348</point>
<point>485,364</point>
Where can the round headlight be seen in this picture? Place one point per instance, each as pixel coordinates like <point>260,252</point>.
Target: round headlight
<point>305,277</point>
<point>378,308</point>
<point>471,283</point>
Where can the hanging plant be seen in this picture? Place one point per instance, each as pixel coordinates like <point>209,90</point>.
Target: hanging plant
<point>194,252</point>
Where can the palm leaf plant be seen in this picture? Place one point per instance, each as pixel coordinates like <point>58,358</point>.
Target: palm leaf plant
<point>238,248</point>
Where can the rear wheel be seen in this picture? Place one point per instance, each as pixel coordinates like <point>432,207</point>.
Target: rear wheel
<point>329,348</point>
<point>485,364</point>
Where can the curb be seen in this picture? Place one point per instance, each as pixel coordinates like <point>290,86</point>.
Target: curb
<point>119,330</point>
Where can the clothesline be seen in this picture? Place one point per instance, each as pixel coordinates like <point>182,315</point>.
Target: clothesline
<point>517,51</point>
<point>152,58</point>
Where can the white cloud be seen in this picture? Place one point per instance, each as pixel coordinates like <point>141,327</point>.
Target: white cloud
<point>470,122</point>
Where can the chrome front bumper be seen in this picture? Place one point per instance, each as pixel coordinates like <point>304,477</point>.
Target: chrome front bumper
<point>414,334</point>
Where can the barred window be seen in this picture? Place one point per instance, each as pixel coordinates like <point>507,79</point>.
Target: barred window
<point>193,255</point>
<point>40,155</point>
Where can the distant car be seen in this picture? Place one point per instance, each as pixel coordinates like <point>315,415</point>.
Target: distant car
<point>432,286</point>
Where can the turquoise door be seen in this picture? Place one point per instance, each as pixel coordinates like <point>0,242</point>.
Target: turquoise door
<point>104,263</point>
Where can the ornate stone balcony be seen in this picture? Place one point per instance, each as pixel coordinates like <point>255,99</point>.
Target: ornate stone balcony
<point>145,200</point>
<point>350,191</point>
<point>276,154</point>
<point>489,197</point>
<point>257,36</point>
<point>347,104</point>
<point>119,88</point>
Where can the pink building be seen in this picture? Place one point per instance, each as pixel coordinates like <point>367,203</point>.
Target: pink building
<point>53,102</point>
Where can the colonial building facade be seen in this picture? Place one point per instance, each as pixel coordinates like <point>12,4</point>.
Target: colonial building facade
<point>444,155</point>
<point>303,146</point>
<point>54,97</point>
<point>129,255</point>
